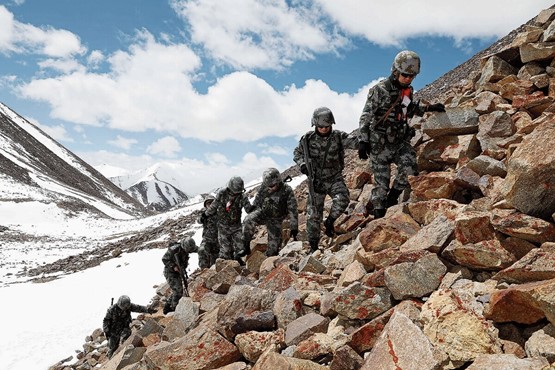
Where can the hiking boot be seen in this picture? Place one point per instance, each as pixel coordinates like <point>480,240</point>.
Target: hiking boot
<point>392,197</point>
<point>168,308</point>
<point>379,213</point>
<point>330,231</point>
<point>313,244</point>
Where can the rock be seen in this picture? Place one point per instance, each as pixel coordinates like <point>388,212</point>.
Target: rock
<point>507,361</point>
<point>303,327</point>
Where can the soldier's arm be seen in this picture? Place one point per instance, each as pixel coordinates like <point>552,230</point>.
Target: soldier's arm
<point>107,322</point>
<point>368,117</point>
<point>138,308</point>
<point>246,204</point>
<point>213,207</point>
<point>349,141</point>
<point>298,153</point>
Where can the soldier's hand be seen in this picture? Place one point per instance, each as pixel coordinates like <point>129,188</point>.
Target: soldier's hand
<point>304,169</point>
<point>203,217</point>
<point>294,234</point>
<point>363,149</point>
<point>438,107</point>
<point>151,310</point>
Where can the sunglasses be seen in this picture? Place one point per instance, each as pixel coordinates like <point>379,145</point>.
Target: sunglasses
<point>408,75</point>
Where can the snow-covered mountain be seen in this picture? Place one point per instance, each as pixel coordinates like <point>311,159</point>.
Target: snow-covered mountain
<point>156,187</point>
<point>35,168</point>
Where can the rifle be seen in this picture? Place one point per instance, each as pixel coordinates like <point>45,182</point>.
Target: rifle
<point>310,174</point>
<point>184,276</point>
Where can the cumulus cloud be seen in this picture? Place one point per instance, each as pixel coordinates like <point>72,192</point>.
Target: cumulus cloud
<point>274,149</point>
<point>269,34</point>
<point>167,147</point>
<point>17,37</point>
<point>122,142</point>
<point>57,132</point>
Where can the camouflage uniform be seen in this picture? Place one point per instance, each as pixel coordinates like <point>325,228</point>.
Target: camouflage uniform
<point>227,207</point>
<point>327,154</point>
<point>271,208</point>
<point>176,260</point>
<point>209,247</point>
<point>116,324</point>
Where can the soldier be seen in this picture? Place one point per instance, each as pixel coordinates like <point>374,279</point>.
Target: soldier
<point>385,133</point>
<point>227,207</point>
<point>117,320</point>
<point>273,202</point>
<point>176,260</point>
<point>326,152</point>
<point>209,248</point>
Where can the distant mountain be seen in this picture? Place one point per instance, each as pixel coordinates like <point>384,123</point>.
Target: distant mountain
<point>156,187</point>
<point>35,168</point>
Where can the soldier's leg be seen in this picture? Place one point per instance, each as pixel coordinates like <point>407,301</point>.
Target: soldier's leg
<point>203,255</point>
<point>125,333</point>
<point>237,242</point>
<point>382,173</point>
<point>314,219</point>
<point>113,344</point>
<point>406,166</point>
<point>340,201</point>
<point>225,241</point>
<point>213,249</point>
<point>176,284</point>
<point>249,228</point>
<point>274,237</point>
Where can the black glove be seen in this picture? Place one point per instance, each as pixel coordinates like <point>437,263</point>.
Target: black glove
<point>438,107</point>
<point>363,149</point>
<point>294,234</point>
<point>203,218</point>
<point>151,310</point>
<point>304,170</point>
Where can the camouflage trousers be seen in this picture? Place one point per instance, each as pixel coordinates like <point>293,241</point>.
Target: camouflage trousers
<point>273,226</point>
<point>207,253</point>
<point>229,238</point>
<point>338,192</point>
<point>175,281</point>
<point>404,156</point>
<point>115,338</point>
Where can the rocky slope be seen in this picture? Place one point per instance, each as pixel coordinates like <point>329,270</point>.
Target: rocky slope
<point>461,275</point>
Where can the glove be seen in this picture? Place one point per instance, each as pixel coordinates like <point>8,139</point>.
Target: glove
<point>363,149</point>
<point>294,234</point>
<point>438,107</point>
<point>304,170</point>
<point>151,310</point>
<point>203,218</point>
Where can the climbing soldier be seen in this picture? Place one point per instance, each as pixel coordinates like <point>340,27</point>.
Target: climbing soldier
<point>209,248</point>
<point>176,260</point>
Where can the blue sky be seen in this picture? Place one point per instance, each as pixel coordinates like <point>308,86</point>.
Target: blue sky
<point>215,88</point>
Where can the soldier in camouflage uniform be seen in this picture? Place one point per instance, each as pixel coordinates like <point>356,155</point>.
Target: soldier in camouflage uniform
<point>385,133</point>
<point>327,154</point>
<point>273,202</point>
<point>117,320</point>
<point>227,207</point>
<point>209,248</point>
<point>176,260</point>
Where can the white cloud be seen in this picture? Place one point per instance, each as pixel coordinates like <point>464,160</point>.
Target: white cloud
<point>62,65</point>
<point>58,133</point>
<point>95,58</point>
<point>122,142</point>
<point>269,34</point>
<point>274,149</point>
<point>167,146</point>
<point>20,37</point>
<point>393,22</point>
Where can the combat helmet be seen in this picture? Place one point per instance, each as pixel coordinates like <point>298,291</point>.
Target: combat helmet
<point>236,185</point>
<point>208,200</point>
<point>271,177</point>
<point>188,245</point>
<point>407,62</point>
<point>322,117</point>
<point>124,302</point>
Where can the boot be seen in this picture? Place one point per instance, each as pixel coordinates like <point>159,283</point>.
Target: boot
<point>246,249</point>
<point>313,244</point>
<point>392,197</point>
<point>330,231</point>
<point>167,308</point>
<point>379,213</point>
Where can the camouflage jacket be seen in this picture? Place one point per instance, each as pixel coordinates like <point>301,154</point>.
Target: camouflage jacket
<point>381,98</point>
<point>327,153</point>
<point>228,207</point>
<point>175,256</point>
<point>117,319</point>
<point>209,227</point>
<point>278,204</point>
